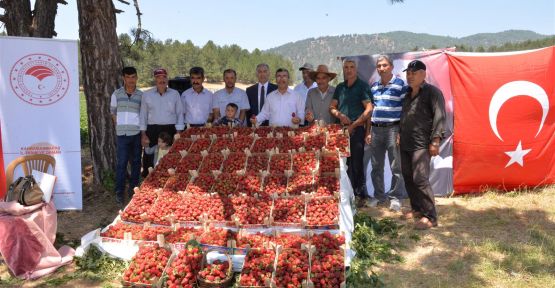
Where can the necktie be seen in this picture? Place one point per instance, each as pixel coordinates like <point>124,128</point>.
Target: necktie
<point>262,97</point>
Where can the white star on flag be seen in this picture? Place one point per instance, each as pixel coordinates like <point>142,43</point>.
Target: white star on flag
<point>517,156</point>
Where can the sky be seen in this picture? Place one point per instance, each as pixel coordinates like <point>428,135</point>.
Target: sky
<point>266,24</point>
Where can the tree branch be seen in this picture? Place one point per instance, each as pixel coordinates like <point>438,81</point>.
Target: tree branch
<point>117,11</point>
<point>61,2</point>
<point>138,32</point>
<point>124,2</point>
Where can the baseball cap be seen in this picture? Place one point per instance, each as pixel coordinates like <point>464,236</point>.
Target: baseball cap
<point>306,66</point>
<point>160,72</point>
<point>415,65</point>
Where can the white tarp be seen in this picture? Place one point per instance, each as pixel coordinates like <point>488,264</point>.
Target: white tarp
<point>39,109</point>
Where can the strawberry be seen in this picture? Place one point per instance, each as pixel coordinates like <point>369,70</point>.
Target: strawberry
<point>215,272</point>
<point>147,265</point>
<point>182,270</point>
<point>258,267</point>
<point>322,211</point>
<point>292,268</point>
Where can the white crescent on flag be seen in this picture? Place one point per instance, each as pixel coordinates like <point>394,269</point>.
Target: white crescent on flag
<point>514,89</point>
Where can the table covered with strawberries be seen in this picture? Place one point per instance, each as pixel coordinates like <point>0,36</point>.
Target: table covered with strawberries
<point>263,207</point>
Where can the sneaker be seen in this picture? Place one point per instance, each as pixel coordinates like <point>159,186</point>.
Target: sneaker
<point>395,205</point>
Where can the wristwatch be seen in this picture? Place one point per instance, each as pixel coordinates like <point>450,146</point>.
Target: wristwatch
<point>435,144</point>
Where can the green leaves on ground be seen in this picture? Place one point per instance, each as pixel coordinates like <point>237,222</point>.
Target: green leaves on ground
<point>373,242</point>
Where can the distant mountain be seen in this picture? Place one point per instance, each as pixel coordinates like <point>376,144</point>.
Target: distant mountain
<point>325,50</point>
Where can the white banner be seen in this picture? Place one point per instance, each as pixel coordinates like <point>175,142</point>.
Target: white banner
<point>39,108</point>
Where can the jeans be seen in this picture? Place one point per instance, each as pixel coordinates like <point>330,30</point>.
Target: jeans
<point>384,141</point>
<point>128,150</point>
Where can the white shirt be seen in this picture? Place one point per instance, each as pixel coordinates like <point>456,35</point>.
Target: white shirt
<point>162,109</point>
<point>279,108</point>
<point>196,106</point>
<point>302,90</point>
<point>238,96</point>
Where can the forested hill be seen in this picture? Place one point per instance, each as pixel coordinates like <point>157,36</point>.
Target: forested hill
<point>325,50</point>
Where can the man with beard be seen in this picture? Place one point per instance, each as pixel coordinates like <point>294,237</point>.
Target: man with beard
<point>161,110</point>
<point>382,131</point>
<point>230,94</point>
<point>283,107</point>
<point>197,100</point>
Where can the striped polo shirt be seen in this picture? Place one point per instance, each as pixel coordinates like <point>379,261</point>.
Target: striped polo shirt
<point>127,110</point>
<point>388,100</point>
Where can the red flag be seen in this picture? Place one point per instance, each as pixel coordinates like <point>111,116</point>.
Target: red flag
<point>504,106</point>
<point>2,173</point>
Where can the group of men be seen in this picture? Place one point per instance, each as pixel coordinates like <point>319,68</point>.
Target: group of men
<point>404,121</point>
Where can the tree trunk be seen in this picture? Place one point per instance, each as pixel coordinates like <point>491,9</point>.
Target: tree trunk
<point>101,63</point>
<point>21,21</point>
<point>17,17</point>
<point>44,18</point>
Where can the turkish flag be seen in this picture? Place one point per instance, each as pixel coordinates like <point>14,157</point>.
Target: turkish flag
<point>504,122</point>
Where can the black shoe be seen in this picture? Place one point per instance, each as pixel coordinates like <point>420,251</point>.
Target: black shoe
<point>119,201</point>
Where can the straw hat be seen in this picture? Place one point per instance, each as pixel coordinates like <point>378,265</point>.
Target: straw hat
<point>322,69</point>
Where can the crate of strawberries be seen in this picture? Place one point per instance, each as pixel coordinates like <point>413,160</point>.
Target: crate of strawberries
<point>147,266</point>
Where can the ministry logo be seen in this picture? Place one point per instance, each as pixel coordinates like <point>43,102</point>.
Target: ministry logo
<point>39,79</point>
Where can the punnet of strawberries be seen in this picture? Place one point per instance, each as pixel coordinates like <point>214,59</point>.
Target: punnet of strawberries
<point>292,268</point>
<point>184,268</point>
<point>253,240</point>
<point>322,211</point>
<point>327,268</point>
<point>147,265</point>
<point>327,241</point>
<point>289,240</point>
<point>258,267</point>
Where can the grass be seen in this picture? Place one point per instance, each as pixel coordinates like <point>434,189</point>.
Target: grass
<point>493,240</point>
<point>84,127</point>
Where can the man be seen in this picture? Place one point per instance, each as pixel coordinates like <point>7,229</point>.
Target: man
<point>197,101</point>
<point>382,131</point>
<point>125,106</point>
<point>257,93</point>
<point>230,94</point>
<point>421,129</point>
<point>283,106</point>
<point>161,110</point>
<point>352,105</point>
<point>318,99</point>
<point>308,83</point>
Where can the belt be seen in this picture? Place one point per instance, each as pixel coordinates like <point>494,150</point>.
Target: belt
<point>385,124</point>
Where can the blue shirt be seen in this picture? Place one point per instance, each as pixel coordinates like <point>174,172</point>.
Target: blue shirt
<point>388,100</point>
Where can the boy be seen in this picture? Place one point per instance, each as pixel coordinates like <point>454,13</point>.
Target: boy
<point>229,118</point>
<point>165,141</point>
